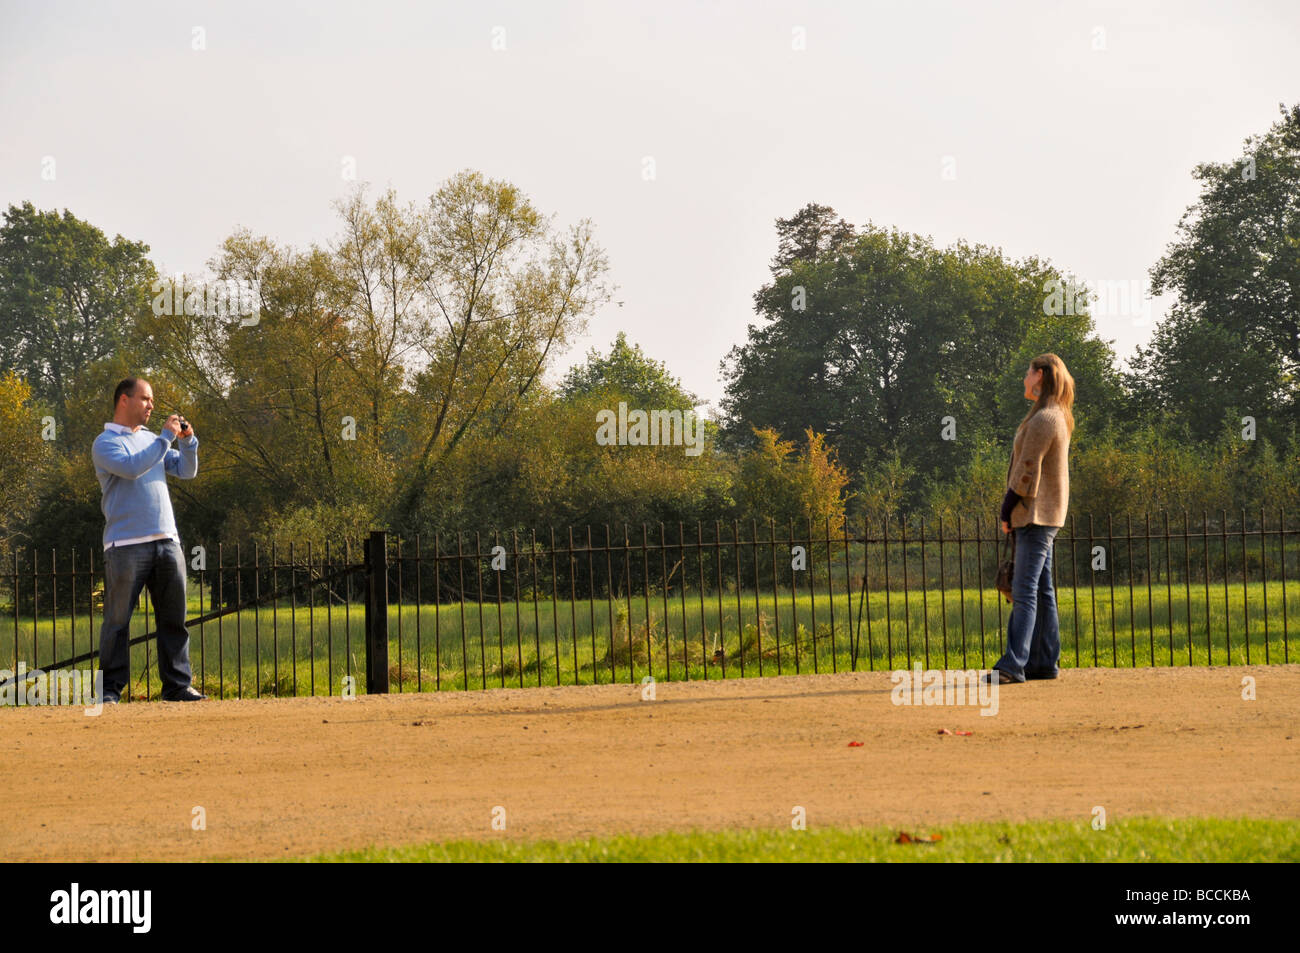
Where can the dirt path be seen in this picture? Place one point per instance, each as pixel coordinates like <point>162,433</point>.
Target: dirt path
<point>281,778</point>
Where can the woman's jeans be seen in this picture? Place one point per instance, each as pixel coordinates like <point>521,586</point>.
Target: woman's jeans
<point>1033,632</point>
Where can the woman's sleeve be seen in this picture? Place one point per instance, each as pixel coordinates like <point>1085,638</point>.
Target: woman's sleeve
<point>1008,504</point>
<point>1027,468</point>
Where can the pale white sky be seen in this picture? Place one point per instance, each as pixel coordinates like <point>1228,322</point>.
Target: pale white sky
<point>1080,155</point>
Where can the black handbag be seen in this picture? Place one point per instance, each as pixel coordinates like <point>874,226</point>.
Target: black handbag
<point>1006,568</point>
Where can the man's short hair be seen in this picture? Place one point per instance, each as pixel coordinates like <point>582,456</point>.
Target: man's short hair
<point>125,386</point>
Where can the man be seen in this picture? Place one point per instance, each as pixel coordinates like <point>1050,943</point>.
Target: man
<point>141,544</point>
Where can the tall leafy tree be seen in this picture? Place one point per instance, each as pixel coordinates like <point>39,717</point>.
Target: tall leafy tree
<point>268,393</point>
<point>1101,400</point>
<point>373,359</point>
<point>874,337</point>
<point>1231,344</point>
<point>627,370</point>
<point>68,296</point>
<point>24,455</point>
<point>381,269</point>
<point>812,233</point>
<point>503,294</point>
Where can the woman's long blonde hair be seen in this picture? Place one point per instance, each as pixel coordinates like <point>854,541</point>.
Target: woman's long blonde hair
<point>1057,387</point>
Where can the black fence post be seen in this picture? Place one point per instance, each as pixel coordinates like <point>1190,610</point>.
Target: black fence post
<point>377,613</point>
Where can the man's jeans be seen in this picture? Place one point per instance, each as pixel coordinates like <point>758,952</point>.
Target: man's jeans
<point>1033,633</point>
<point>159,564</point>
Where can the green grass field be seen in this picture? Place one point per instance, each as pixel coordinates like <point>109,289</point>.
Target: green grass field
<point>287,652</point>
<point>1147,839</point>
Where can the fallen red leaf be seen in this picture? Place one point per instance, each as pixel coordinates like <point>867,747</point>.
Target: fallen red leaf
<point>855,744</point>
<point>906,838</point>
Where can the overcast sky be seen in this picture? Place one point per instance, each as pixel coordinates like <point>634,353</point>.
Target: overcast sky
<point>1065,130</point>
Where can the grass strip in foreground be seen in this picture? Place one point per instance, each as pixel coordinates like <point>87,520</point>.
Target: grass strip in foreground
<point>1137,839</point>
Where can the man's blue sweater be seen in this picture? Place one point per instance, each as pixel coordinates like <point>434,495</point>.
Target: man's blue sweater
<point>132,470</point>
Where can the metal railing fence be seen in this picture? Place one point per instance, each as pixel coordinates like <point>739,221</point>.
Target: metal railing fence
<point>719,600</point>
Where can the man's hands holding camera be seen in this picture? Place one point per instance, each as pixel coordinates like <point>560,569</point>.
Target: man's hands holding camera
<point>179,426</point>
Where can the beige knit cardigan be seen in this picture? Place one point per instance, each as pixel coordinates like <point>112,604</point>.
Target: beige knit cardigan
<point>1039,469</point>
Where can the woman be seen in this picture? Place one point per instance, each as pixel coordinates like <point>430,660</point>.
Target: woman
<point>1038,493</point>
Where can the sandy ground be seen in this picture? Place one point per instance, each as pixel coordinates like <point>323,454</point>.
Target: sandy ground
<point>280,778</point>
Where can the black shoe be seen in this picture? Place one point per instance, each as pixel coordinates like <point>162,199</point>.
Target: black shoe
<point>1053,673</point>
<point>999,677</point>
<point>189,695</point>
<point>110,700</point>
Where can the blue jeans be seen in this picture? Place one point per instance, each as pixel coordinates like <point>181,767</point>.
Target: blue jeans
<point>1033,631</point>
<point>159,564</point>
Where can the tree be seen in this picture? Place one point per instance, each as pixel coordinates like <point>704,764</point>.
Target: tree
<point>269,399</point>
<point>882,484</point>
<point>809,487</point>
<point>67,297</point>
<point>381,269</point>
<point>809,235</point>
<point>1231,344</point>
<point>975,492</point>
<point>1100,396</point>
<point>879,338</point>
<point>24,456</point>
<point>504,295</point>
<point>372,360</point>
<point>547,469</point>
<point>1202,376</point>
<point>628,370</point>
